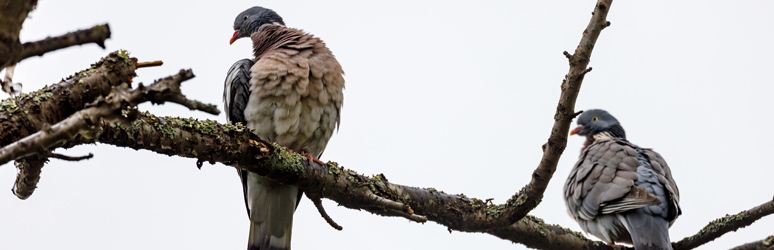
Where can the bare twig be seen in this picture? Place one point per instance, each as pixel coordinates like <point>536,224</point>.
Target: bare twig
<point>97,34</point>
<point>149,64</point>
<point>318,204</point>
<point>70,158</point>
<point>170,91</point>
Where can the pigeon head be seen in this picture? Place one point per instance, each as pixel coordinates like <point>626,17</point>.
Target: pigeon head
<point>596,121</point>
<point>251,20</point>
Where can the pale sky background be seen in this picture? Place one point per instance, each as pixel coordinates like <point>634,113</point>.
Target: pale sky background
<point>455,95</point>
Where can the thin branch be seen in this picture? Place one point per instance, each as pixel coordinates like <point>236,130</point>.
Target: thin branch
<point>149,64</point>
<point>318,204</point>
<point>170,91</point>
<point>724,225</point>
<point>70,158</point>
<point>533,192</point>
<point>764,244</point>
<point>97,34</point>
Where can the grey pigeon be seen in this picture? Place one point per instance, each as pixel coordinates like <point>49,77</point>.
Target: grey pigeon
<point>289,93</point>
<point>618,191</point>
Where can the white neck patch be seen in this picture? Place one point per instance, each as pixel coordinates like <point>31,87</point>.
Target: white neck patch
<point>603,136</point>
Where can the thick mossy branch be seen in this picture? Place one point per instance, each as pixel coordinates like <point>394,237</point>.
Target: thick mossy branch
<point>83,121</point>
<point>724,225</point>
<point>20,117</point>
<point>27,114</point>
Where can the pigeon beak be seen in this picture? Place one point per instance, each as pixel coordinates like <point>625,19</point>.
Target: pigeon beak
<point>234,37</point>
<point>576,130</point>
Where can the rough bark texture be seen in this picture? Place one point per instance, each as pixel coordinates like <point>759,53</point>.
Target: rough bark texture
<point>764,244</point>
<point>84,120</point>
<point>29,175</point>
<point>27,114</point>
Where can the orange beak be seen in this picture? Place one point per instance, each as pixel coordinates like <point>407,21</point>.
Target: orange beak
<point>576,130</point>
<point>234,37</point>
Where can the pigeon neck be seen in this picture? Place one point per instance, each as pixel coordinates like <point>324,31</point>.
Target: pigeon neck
<point>615,132</point>
<point>271,37</point>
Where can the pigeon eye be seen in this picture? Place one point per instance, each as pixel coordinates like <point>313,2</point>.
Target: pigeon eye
<point>245,17</point>
<point>593,119</point>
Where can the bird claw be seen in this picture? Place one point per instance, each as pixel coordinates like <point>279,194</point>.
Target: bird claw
<point>313,159</point>
<point>308,156</point>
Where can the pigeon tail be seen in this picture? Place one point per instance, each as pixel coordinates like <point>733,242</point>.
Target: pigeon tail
<point>648,232</point>
<point>259,240</point>
<point>271,206</point>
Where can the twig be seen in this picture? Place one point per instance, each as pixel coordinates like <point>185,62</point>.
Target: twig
<point>149,64</point>
<point>70,158</point>
<point>318,204</point>
<point>764,244</point>
<point>397,209</point>
<point>724,225</point>
<point>587,70</point>
<point>576,114</point>
<point>97,34</point>
<point>171,92</point>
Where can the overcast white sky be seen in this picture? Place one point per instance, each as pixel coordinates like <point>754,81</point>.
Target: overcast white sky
<point>453,95</point>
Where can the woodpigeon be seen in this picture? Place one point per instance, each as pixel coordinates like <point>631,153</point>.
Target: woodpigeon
<point>291,94</point>
<point>618,191</point>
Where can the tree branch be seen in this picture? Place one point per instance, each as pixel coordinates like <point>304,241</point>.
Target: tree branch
<point>110,108</point>
<point>764,244</point>
<point>565,111</point>
<point>97,34</point>
<point>12,16</point>
<point>29,175</point>
<point>22,116</point>
<point>70,158</point>
<point>724,225</point>
<point>235,145</point>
